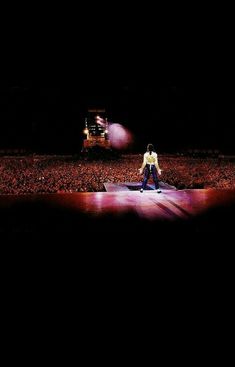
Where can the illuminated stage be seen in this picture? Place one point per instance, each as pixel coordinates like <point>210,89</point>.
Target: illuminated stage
<point>201,209</point>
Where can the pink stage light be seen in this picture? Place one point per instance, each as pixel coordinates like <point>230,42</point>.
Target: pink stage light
<point>100,121</point>
<point>120,137</point>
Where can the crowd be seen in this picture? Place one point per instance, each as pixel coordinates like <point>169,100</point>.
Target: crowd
<point>56,174</point>
<point>190,173</point>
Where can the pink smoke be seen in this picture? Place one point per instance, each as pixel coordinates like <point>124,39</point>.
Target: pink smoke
<point>120,137</point>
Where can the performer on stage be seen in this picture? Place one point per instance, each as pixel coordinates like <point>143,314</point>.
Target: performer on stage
<point>150,166</point>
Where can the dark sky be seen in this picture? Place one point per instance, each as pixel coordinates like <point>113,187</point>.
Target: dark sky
<point>174,113</point>
<point>171,83</point>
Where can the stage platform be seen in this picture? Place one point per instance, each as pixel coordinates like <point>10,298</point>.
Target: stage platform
<point>200,209</point>
<point>134,186</point>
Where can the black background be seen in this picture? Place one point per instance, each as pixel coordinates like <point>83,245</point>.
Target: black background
<point>168,76</point>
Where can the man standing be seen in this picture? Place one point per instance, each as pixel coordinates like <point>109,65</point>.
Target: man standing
<point>150,166</point>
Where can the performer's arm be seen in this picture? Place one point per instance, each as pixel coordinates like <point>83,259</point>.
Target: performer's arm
<point>143,165</point>
<point>157,167</point>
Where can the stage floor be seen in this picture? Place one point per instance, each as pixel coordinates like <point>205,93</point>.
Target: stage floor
<point>127,208</point>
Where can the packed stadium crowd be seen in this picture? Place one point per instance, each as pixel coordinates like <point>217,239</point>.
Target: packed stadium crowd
<point>57,174</point>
